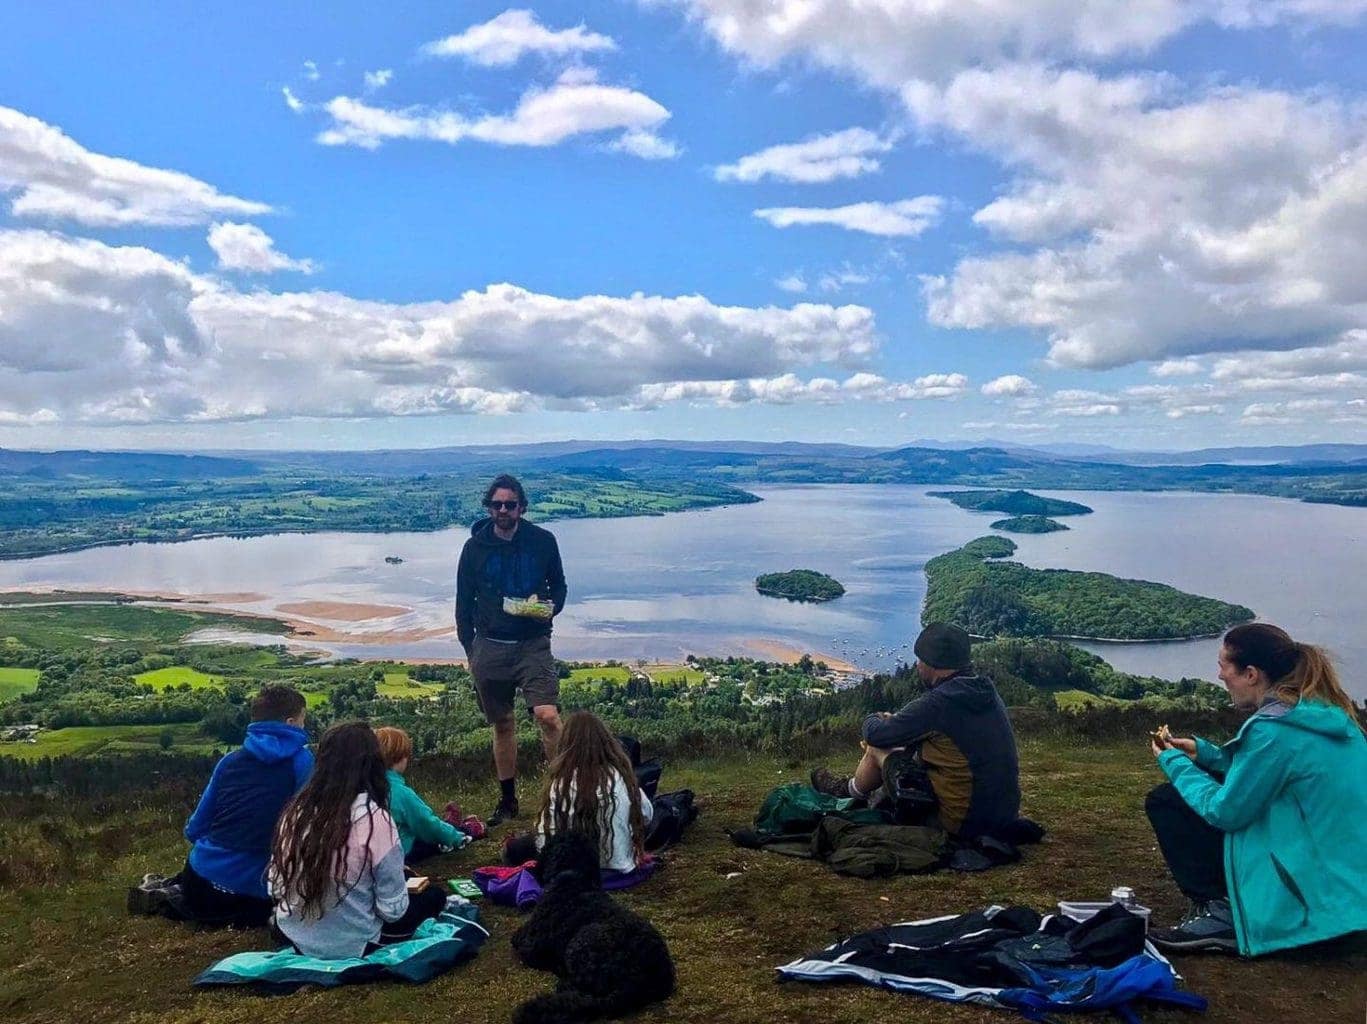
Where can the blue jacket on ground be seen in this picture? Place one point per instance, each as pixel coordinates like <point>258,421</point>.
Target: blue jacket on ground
<point>1288,793</point>
<point>234,823</point>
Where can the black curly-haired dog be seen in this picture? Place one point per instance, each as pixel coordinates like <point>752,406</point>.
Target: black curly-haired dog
<point>609,960</point>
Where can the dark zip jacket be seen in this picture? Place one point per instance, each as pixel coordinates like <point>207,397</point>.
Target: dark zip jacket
<point>234,824</point>
<point>491,569</point>
<point>968,750</point>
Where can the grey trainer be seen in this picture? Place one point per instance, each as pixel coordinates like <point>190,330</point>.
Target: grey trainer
<point>1208,927</point>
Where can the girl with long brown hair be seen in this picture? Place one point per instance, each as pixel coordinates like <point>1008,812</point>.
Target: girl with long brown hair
<point>591,788</point>
<point>336,869</point>
<point>1267,835</point>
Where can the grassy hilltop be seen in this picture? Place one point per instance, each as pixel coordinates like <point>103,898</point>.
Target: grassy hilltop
<point>69,948</point>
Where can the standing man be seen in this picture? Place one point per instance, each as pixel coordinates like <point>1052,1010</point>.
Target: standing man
<point>508,586</point>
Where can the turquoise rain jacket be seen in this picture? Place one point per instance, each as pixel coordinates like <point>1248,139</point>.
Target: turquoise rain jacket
<point>415,820</point>
<point>1293,809</point>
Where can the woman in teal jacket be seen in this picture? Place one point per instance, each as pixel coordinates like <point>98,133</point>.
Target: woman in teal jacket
<point>1267,835</point>
<point>421,832</point>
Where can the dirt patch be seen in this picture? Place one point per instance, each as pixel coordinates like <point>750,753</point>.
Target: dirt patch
<point>342,611</point>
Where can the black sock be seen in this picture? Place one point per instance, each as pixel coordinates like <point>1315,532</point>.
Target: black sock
<point>509,787</point>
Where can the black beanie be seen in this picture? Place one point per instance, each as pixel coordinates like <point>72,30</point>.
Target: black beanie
<point>942,645</point>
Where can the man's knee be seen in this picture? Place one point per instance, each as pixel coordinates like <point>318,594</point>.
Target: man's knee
<point>505,725</point>
<point>547,717</point>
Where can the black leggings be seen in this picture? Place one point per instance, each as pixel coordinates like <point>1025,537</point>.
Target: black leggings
<point>1193,848</point>
<point>211,906</point>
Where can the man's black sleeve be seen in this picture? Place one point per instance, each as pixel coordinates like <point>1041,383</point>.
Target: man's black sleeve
<point>465,599</point>
<point>917,719</point>
<point>555,576</point>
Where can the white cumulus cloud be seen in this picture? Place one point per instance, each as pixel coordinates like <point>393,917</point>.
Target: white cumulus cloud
<point>646,145</point>
<point>53,177</point>
<point>844,154</point>
<point>1012,385</point>
<point>374,80</point>
<point>94,333</point>
<point>572,106</point>
<point>504,40</point>
<point>1140,247</point>
<point>905,218</point>
<point>247,247</point>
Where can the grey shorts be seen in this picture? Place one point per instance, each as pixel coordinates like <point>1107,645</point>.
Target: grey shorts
<point>500,670</point>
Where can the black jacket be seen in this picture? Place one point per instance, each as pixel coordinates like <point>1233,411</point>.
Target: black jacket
<point>491,569</point>
<point>968,749</point>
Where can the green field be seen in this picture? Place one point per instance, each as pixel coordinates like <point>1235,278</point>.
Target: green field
<point>398,685</point>
<point>85,740</point>
<point>1070,700</point>
<point>58,627</point>
<point>602,673</point>
<point>176,675</point>
<point>14,681</point>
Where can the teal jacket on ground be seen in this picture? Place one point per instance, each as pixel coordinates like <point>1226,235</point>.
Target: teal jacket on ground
<point>1293,808</point>
<point>415,820</point>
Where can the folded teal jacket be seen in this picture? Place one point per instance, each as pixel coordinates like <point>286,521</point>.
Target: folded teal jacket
<point>415,820</point>
<point>1293,807</point>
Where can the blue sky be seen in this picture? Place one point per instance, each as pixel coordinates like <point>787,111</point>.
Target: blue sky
<point>1133,224</point>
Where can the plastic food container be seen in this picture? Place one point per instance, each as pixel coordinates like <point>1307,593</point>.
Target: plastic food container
<point>528,607</point>
<point>1085,911</point>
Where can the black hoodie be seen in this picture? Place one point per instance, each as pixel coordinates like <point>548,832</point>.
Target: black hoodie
<point>968,748</point>
<point>491,569</point>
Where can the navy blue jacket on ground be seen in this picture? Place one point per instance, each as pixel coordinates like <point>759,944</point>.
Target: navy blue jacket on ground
<point>232,827</point>
<point>965,742</point>
<point>491,569</point>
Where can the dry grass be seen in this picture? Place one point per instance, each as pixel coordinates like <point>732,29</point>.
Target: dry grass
<point>69,951</point>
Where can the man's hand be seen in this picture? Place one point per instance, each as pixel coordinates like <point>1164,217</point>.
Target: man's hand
<point>884,715</point>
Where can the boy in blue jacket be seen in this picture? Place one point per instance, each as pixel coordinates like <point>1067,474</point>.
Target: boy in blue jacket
<point>224,879</point>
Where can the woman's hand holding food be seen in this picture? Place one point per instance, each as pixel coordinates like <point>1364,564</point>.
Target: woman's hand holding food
<point>1162,739</point>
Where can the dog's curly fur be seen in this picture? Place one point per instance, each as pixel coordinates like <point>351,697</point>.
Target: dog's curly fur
<point>609,961</point>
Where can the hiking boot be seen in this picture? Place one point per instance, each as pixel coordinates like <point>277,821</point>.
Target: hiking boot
<point>153,895</point>
<point>1208,927</point>
<point>505,810</point>
<point>826,781</point>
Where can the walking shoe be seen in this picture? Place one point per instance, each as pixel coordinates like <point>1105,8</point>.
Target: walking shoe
<point>153,895</point>
<point>1208,927</point>
<point>504,811</point>
<point>826,781</point>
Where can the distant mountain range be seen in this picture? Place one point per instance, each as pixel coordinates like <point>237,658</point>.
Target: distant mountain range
<point>1332,472</point>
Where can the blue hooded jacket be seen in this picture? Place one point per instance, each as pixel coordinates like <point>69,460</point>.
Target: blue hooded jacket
<point>234,823</point>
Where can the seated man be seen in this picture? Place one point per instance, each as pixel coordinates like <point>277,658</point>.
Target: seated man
<point>224,879</point>
<point>958,733</point>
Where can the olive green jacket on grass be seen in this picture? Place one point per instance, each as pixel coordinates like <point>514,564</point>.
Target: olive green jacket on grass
<point>1293,808</point>
<point>415,820</point>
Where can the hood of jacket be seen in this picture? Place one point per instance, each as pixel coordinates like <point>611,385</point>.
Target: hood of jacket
<point>968,690</point>
<point>274,741</point>
<point>1314,716</point>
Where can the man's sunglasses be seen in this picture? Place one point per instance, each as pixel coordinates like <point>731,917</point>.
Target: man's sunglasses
<point>501,506</point>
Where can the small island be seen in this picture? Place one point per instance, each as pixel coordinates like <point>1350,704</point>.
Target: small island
<point>990,598</point>
<point>396,560</point>
<point>1028,524</point>
<point>799,585</point>
<point>1013,503</point>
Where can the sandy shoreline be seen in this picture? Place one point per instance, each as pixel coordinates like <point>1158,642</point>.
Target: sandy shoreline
<point>342,611</point>
<point>301,619</point>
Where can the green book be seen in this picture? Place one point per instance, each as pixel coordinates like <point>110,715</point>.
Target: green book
<point>466,888</point>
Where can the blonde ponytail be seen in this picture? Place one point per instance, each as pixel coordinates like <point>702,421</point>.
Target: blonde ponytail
<point>1314,678</point>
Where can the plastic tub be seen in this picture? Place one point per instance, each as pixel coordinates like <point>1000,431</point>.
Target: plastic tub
<point>1084,911</point>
